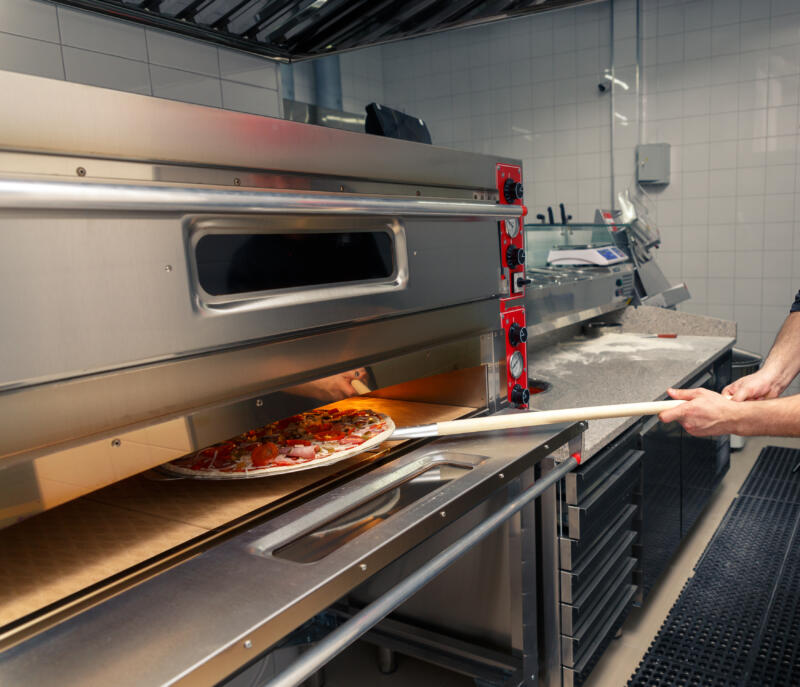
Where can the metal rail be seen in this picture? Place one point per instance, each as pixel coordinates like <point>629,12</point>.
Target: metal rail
<point>314,659</point>
<point>66,195</point>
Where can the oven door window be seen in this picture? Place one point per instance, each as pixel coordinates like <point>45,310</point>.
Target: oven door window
<point>241,263</point>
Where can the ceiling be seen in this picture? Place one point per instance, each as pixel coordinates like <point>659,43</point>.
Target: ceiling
<point>301,29</point>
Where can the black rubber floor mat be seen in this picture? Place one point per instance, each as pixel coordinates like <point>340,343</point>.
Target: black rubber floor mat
<point>737,620</point>
<point>773,476</point>
<point>777,661</point>
<point>659,672</point>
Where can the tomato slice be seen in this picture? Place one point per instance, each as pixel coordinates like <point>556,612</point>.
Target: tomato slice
<point>263,454</point>
<point>297,442</point>
<point>202,463</point>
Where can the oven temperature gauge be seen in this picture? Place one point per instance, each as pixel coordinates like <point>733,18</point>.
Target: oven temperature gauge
<point>512,227</point>
<point>516,364</point>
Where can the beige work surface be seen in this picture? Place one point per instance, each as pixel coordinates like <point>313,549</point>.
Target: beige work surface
<point>83,542</point>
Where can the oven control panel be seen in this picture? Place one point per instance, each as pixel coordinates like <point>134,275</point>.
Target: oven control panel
<point>515,333</point>
<point>512,242</point>
<point>512,308</point>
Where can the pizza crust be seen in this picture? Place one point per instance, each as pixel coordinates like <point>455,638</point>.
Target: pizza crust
<point>335,457</point>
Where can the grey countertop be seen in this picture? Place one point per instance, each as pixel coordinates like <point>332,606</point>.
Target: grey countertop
<point>617,368</point>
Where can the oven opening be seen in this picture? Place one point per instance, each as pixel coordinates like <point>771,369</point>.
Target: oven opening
<point>110,518</point>
<point>328,537</point>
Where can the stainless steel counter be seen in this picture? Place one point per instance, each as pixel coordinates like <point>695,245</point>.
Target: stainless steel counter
<point>617,368</point>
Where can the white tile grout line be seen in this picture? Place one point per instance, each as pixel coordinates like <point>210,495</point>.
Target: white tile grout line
<point>60,44</point>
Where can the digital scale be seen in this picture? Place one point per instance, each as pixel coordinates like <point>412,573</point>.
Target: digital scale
<point>590,254</point>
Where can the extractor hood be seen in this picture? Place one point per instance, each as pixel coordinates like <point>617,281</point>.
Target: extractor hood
<point>301,29</point>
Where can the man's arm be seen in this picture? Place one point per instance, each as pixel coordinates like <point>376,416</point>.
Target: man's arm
<point>780,368</point>
<point>707,413</point>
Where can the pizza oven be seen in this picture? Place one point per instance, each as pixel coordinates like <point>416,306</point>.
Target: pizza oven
<point>174,275</point>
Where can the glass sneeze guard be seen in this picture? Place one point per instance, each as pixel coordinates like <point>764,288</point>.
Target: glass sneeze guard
<point>540,239</point>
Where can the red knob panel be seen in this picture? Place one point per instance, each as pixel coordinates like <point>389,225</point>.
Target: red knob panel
<point>514,316</point>
<point>512,272</point>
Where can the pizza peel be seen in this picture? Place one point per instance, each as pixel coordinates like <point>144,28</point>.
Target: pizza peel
<point>532,419</point>
<point>445,428</point>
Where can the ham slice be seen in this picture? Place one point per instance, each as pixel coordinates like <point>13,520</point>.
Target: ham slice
<point>305,452</point>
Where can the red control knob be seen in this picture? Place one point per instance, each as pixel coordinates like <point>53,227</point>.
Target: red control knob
<point>512,191</point>
<point>520,396</point>
<point>517,334</point>
<point>515,256</point>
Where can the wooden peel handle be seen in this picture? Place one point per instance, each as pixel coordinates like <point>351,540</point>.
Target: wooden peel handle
<point>360,387</point>
<point>551,417</point>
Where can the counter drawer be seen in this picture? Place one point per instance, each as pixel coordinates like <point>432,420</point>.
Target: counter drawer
<point>581,482</point>
<point>576,675</point>
<point>574,615</point>
<point>576,651</point>
<point>572,551</point>
<point>603,557</point>
<point>605,502</point>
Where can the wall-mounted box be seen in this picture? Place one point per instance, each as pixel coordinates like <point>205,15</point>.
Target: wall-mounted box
<point>652,163</point>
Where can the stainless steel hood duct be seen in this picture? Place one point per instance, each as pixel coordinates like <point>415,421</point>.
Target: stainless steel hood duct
<point>301,29</point>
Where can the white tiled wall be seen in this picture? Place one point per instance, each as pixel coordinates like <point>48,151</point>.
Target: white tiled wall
<point>721,80</point>
<point>524,88</point>
<point>62,43</point>
<point>362,79</point>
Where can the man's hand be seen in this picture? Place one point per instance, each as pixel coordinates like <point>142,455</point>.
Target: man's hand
<point>333,388</point>
<point>704,414</point>
<point>755,387</point>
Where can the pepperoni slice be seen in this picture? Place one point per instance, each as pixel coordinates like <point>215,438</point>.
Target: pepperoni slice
<point>262,455</point>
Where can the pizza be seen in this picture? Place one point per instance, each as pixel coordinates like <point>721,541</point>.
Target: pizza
<point>308,440</point>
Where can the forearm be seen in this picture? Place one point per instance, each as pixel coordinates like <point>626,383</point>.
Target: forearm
<point>775,417</point>
<point>783,361</point>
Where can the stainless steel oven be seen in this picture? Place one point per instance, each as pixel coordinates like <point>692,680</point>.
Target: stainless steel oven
<point>173,275</point>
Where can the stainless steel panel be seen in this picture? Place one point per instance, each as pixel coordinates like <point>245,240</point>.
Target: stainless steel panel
<point>193,629</point>
<point>70,167</point>
<point>96,406</point>
<point>558,298</point>
<point>88,294</point>
<point>549,531</point>
<point>101,123</point>
<point>451,603</point>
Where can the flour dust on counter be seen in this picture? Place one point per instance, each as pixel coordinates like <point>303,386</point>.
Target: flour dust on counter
<point>610,346</point>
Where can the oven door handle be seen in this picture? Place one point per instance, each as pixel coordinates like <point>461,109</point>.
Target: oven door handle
<point>73,195</point>
<point>334,643</point>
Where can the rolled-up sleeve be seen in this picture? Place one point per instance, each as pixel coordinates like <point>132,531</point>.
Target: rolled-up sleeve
<point>796,305</point>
